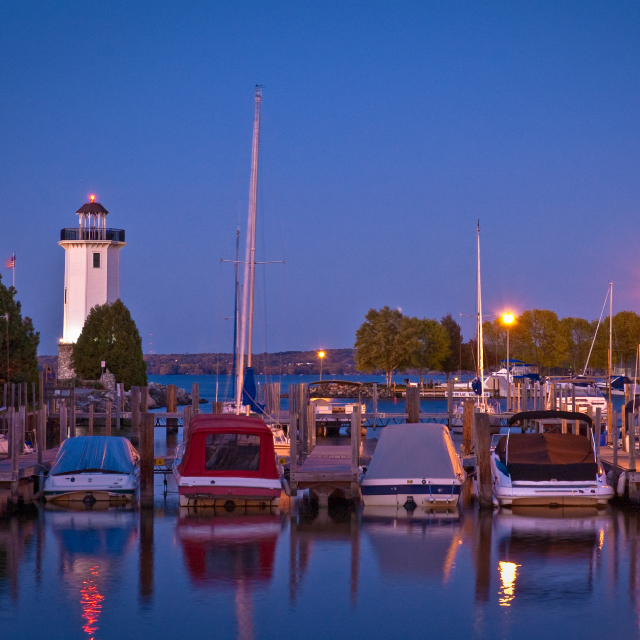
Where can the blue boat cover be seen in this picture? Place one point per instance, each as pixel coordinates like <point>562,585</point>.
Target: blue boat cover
<point>110,454</point>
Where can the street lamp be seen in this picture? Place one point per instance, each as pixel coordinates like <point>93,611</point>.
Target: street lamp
<point>508,319</point>
<point>321,355</point>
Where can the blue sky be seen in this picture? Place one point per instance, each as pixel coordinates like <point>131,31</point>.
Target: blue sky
<point>388,130</point>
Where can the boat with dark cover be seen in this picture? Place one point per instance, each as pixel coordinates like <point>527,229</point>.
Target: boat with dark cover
<point>543,469</point>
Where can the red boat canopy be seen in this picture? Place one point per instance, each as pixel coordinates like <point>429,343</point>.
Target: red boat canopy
<point>228,445</point>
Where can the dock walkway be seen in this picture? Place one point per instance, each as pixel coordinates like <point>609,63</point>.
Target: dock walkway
<point>27,465</point>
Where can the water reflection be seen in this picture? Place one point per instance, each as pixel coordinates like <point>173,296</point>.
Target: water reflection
<point>414,544</point>
<point>348,572</point>
<point>237,548</point>
<point>549,554</point>
<point>90,544</point>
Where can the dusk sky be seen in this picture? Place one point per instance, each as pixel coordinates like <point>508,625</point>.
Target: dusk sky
<point>388,130</point>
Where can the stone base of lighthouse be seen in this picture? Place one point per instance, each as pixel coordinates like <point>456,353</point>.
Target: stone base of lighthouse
<point>65,362</point>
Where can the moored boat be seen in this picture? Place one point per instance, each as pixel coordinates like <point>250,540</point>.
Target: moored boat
<point>228,461</point>
<point>545,469</point>
<point>413,465</point>
<point>94,468</point>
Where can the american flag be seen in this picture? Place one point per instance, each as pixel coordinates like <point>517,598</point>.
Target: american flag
<point>10,263</point>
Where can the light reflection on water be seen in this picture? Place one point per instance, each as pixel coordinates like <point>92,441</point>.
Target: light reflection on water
<point>348,573</point>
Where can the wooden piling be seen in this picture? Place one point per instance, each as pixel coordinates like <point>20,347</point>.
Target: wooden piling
<point>63,421</point>
<point>195,397</point>
<point>623,430</point>
<point>293,451</point>
<point>42,422</point>
<point>147,460</point>
<point>15,457</point>
<point>467,427</point>
<point>413,404</point>
<point>108,419</point>
<point>482,445</point>
<point>613,427</point>
<point>119,404</point>
<point>135,415</point>
<point>450,403</point>
<point>311,421</point>
<point>375,405</point>
<point>598,430</point>
<point>172,407</point>
<point>356,423</point>
<point>22,410</point>
<point>72,419</point>
<point>91,418</point>
<point>186,420</point>
<point>631,428</point>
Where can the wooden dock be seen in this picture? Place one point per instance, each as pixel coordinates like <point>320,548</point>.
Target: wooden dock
<point>27,465</point>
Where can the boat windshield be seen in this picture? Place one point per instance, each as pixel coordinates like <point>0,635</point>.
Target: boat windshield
<point>232,452</point>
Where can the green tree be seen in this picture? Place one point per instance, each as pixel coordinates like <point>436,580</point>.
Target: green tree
<point>428,344</point>
<point>453,360</point>
<point>579,334</point>
<point>626,338</point>
<point>495,342</point>
<point>110,334</point>
<point>18,340</point>
<point>382,342</point>
<point>538,338</point>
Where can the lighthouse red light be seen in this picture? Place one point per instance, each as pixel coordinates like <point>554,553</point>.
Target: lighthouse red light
<point>93,198</point>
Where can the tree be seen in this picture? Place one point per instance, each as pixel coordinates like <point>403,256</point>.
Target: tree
<point>18,340</point>
<point>110,334</point>
<point>538,338</point>
<point>453,360</point>
<point>382,342</point>
<point>495,342</point>
<point>428,344</point>
<point>626,338</point>
<point>579,334</point>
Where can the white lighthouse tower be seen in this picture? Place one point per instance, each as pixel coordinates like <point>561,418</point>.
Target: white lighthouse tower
<point>91,274</point>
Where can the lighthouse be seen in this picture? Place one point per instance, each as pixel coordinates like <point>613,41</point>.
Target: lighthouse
<point>91,274</point>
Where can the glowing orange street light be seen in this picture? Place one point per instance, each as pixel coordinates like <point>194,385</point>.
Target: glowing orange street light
<point>321,355</point>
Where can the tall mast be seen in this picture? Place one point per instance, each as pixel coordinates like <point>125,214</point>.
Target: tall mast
<point>246,317</point>
<point>610,346</point>
<point>236,309</point>
<point>480,337</point>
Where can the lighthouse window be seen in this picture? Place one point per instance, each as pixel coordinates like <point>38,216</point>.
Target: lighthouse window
<point>96,260</point>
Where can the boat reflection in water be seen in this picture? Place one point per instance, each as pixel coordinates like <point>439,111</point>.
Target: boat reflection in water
<point>548,554</point>
<point>236,548</point>
<point>92,544</point>
<point>416,544</point>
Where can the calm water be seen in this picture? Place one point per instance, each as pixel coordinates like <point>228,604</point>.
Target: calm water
<point>211,387</point>
<point>342,574</point>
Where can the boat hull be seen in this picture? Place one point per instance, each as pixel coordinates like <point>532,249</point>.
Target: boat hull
<point>99,487</point>
<point>227,491</point>
<point>424,495</point>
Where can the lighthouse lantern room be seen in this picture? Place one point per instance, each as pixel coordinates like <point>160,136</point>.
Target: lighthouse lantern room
<point>91,273</point>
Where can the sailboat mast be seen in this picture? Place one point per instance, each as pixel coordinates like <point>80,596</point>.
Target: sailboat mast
<point>246,316</point>
<point>480,337</point>
<point>610,340</point>
<point>236,309</point>
<point>253,207</point>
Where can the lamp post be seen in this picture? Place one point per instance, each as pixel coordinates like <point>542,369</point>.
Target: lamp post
<point>321,355</point>
<point>508,319</point>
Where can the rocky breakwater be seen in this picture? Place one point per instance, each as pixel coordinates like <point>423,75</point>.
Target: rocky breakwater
<point>332,389</point>
<point>100,397</point>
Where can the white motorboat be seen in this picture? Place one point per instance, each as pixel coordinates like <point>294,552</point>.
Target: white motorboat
<point>413,465</point>
<point>588,395</point>
<point>94,468</point>
<point>228,461</point>
<point>544,469</point>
